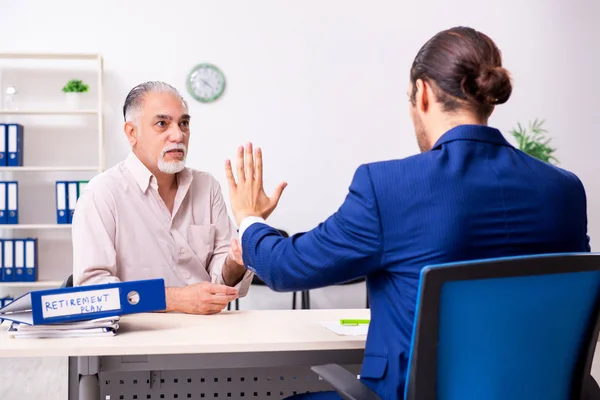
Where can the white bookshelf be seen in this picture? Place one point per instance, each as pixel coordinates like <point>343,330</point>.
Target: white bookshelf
<point>35,226</point>
<point>50,169</point>
<point>94,167</point>
<point>51,56</point>
<point>48,112</point>
<point>37,284</point>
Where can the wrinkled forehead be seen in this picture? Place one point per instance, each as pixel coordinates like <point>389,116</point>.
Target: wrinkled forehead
<point>163,103</point>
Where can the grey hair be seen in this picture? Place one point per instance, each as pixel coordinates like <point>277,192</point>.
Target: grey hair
<point>135,98</point>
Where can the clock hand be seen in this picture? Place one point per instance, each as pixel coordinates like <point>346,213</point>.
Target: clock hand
<point>206,83</point>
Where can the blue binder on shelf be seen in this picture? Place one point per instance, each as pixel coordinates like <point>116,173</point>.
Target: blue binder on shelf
<point>72,196</point>
<point>31,260</point>
<point>1,260</point>
<point>19,250</point>
<point>14,144</point>
<point>80,303</point>
<point>3,199</point>
<point>12,202</point>
<point>62,216</point>
<point>3,148</point>
<point>8,260</point>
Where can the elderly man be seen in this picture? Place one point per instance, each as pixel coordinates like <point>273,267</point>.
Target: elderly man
<point>151,217</point>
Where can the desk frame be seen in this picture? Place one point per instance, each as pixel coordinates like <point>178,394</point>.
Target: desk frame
<point>224,375</point>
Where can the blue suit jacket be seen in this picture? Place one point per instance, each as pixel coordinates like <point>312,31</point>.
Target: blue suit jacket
<point>472,196</point>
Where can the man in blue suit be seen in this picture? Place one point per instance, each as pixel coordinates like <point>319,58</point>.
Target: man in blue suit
<point>468,195</point>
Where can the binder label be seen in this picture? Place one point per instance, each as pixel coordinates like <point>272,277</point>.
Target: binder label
<point>12,139</point>
<point>57,305</point>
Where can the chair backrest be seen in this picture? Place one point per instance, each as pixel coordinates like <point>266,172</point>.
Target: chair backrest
<point>67,282</point>
<point>508,328</point>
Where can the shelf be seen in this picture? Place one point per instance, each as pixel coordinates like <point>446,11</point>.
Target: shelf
<point>52,56</point>
<point>49,284</point>
<point>47,169</point>
<point>48,112</point>
<point>35,226</point>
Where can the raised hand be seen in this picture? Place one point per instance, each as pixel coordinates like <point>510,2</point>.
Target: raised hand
<point>247,195</point>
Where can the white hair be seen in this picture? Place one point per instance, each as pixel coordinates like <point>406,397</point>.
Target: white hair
<point>135,99</point>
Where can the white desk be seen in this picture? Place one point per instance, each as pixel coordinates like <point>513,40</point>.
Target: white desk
<point>236,354</point>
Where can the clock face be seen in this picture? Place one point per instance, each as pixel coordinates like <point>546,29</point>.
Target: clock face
<point>206,83</point>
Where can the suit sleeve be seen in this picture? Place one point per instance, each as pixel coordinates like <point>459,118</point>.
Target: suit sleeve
<point>583,200</point>
<point>346,246</point>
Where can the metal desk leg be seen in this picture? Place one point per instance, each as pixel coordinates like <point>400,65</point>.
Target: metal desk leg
<point>89,385</point>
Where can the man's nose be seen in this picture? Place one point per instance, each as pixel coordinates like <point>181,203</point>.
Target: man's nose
<point>176,135</point>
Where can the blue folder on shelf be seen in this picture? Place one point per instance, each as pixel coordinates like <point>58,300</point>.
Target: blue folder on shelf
<point>3,148</point>
<point>12,202</point>
<point>61,203</point>
<point>3,200</point>
<point>72,196</point>
<point>8,260</point>
<point>31,260</point>
<point>14,145</point>
<point>82,303</point>
<point>19,256</point>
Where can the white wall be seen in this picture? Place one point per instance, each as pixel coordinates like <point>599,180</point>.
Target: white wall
<point>321,85</point>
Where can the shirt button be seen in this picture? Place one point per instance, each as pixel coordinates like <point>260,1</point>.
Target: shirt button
<point>181,250</point>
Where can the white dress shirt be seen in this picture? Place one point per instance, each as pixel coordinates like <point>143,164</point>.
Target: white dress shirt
<point>123,231</point>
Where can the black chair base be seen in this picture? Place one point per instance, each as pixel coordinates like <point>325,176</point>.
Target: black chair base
<point>346,384</point>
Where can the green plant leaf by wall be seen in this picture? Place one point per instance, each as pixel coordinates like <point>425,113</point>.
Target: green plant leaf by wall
<point>533,141</point>
<point>75,85</point>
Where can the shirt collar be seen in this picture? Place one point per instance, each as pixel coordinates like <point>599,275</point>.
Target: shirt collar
<point>141,174</point>
<point>481,133</point>
<point>145,178</point>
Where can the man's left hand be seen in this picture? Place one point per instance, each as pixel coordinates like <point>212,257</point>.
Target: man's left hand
<point>248,197</point>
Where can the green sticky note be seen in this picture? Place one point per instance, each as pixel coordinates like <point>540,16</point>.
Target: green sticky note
<point>354,321</point>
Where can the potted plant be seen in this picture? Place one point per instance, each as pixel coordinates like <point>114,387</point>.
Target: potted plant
<point>534,142</point>
<point>73,91</point>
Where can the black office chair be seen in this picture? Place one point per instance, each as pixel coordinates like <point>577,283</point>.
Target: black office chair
<point>305,301</point>
<point>306,294</point>
<point>511,328</point>
<point>67,282</point>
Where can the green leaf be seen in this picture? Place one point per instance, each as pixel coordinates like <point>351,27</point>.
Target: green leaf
<point>535,143</point>
<point>75,85</point>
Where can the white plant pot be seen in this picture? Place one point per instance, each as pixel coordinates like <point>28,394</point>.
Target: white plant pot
<point>73,100</point>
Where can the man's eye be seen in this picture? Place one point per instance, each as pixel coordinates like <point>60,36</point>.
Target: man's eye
<point>161,124</point>
<point>185,124</point>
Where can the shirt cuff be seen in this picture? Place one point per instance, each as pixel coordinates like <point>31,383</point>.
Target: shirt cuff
<point>246,222</point>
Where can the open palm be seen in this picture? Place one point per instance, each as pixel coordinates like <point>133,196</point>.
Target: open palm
<point>247,195</point>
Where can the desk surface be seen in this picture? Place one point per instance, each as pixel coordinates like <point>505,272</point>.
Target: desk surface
<point>227,332</point>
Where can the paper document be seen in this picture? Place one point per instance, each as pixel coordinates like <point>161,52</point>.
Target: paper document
<point>99,327</point>
<point>345,330</point>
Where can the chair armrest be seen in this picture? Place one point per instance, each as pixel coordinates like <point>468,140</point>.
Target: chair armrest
<point>591,391</point>
<point>345,383</point>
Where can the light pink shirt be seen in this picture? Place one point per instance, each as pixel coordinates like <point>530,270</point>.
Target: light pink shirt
<point>123,231</point>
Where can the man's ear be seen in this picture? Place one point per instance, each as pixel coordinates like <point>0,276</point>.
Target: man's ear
<point>131,132</point>
<point>423,96</point>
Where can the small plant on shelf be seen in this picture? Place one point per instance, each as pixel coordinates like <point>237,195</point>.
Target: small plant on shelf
<point>75,86</point>
<point>535,142</point>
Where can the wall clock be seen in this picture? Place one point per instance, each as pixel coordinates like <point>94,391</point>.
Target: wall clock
<point>206,83</point>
